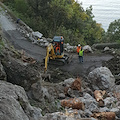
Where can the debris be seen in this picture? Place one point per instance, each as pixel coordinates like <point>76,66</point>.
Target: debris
<point>37,34</point>
<point>104,116</point>
<point>74,103</point>
<point>76,85</point>
<point>66,90</point>
<point>71,114</point>
<point>27,59</point>
<point>99,94</point>
<point>117,95</point>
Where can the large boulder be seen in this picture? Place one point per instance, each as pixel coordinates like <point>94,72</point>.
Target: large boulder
<point>87,49</point>
<point>101,78</point>
<point>14,104</point>
<point>21,73</point>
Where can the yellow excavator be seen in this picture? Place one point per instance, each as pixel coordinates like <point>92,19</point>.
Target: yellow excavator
<point>54,52</point>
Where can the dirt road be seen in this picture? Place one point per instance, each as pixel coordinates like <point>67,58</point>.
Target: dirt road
<point>17,39</point>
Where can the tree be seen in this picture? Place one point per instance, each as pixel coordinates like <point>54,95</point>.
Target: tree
<point>113,32</point>
<point>60,17</point>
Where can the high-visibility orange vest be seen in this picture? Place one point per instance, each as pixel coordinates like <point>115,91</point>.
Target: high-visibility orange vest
<point>78,49</point>
<point>57,48</point>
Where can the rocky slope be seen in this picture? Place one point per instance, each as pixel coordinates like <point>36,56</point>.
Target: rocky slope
<point>53,98</point>
<point>25,95</point>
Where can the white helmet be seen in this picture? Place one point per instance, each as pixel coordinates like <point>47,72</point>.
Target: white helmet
<point>79,45</point>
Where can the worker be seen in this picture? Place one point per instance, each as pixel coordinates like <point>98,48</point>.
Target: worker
<point>78,48</point>
<point>57,51</point>
<point>81,53</point>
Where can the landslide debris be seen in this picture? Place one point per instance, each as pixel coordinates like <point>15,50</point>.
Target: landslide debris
<point>114,66</point>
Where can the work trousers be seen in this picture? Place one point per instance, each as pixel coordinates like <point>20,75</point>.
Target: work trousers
<point>80,59</point>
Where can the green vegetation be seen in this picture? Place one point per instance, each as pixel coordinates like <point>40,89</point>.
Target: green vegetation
<point>113,32</point>
<point>59,17</point>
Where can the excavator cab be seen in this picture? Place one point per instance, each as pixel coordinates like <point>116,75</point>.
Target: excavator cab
<point>58,42</point>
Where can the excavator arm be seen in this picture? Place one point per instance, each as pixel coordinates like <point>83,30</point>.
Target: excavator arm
<point>49,53</point>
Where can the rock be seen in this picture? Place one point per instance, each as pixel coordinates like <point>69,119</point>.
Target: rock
<point>2,73</point>
<point>41,40</point>
<point>93,107</point>
<point>88,96</point>
<point>68,82</point>
<point>116,110</point>
<point>88,113</point>
<point>61,96</point>
<point>69,48</point>
<point>77,84</point>
<point>37,34</point>
<point>90,102</point>
<point>118,114</point>
<point>36,90</point>
<point>104,109</point>
<point>110,102</point>
<point>74,93</point>
<point>14,104</point>
<point>20,74</point>
<point>87,49</point>
<point>46,44</point>
<point>46,94</point>
<point>106,49</point>
<point>49,39</point>
<point>101,78</point>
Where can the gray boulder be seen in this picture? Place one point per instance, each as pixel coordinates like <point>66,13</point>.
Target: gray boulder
<point>101,78</point>
<point>14,104</point>
<point>90,103</point>
<point>87,49</point>
<point>19,73</point>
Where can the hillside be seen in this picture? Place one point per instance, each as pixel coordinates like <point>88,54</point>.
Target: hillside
<point>25,95</point>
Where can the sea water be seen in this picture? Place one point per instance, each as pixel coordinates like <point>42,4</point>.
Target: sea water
<point>105,11</point>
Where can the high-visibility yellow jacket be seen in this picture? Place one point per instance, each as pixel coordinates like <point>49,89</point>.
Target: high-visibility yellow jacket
<point>81,52</point>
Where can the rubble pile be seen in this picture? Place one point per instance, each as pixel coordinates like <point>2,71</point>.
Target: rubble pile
<point>71,99</point>
<point>114,66</point>
<point>37,38</point>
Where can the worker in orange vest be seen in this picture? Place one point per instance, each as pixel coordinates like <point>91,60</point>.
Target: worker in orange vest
<point>78,48</point>
<point>57,48</point>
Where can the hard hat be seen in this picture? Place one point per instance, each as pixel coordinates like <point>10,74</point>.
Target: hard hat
<point>78,44</point>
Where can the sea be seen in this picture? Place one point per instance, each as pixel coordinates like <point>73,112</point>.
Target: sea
<point>105,11</point>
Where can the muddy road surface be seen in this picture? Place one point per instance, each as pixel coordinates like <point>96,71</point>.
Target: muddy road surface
<point>18,40</point>
<point>91,61</point>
